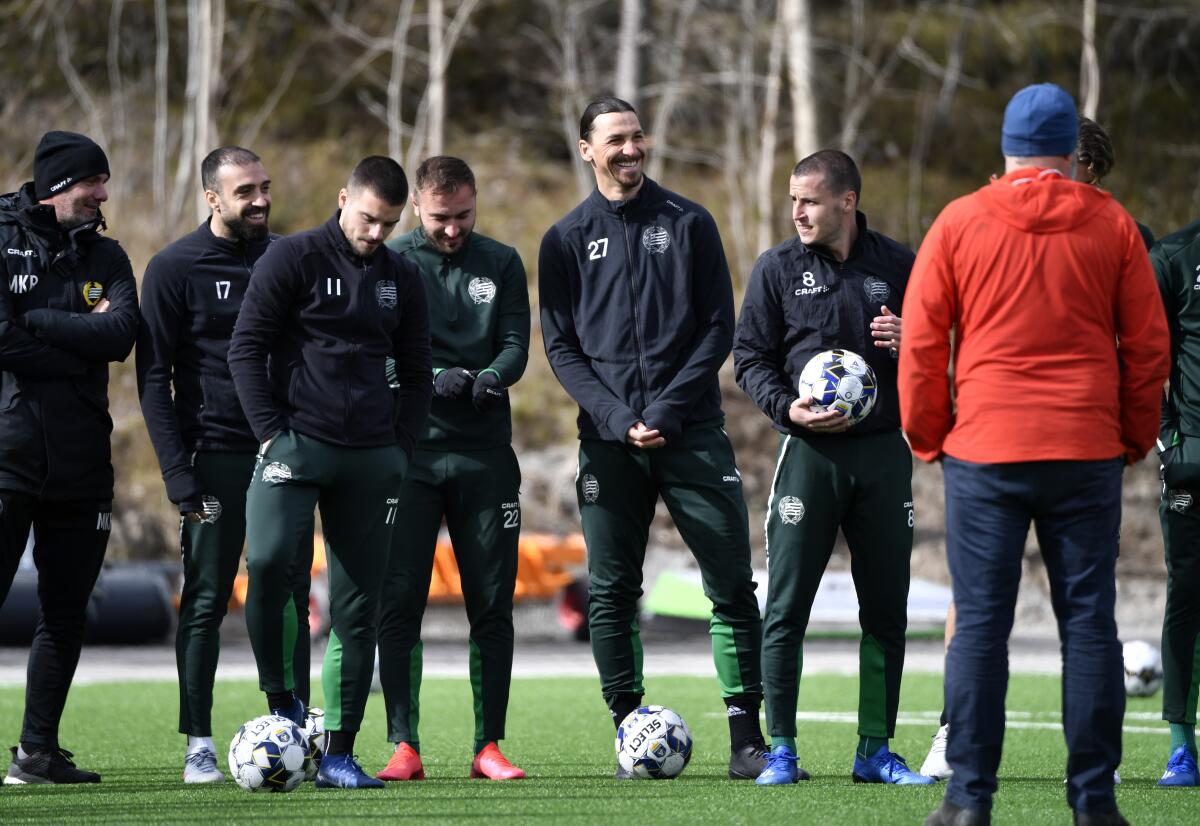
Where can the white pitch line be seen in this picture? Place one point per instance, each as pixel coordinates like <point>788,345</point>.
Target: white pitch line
<point>1014,719</point>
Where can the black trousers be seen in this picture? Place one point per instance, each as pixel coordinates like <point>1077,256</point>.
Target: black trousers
<point>70,539</point>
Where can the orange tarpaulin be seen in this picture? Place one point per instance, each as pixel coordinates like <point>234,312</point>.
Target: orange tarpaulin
<point>544,566</point>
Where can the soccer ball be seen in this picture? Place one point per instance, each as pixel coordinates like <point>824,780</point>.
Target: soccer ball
<point>267,755</point>
<point>654,742</point>
<point>314,734</point>
<point>1143,668</point>
<point>839,380</point>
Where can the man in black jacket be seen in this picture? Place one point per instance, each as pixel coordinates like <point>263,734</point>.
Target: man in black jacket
<point>68,306</point>
<point>832,286</point>
<point>191,294</point>
<point>637,317</point>
<point>323,311</point>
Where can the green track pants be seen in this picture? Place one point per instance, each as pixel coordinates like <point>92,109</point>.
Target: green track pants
<point>618,486</point>
<point>1181,622</point>
<point>477,492</point>
<point>211,553</point>
<point>357,491</point>
<point>864,486</point>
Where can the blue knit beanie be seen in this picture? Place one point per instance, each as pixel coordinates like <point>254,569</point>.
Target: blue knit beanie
<point>1040,120</point>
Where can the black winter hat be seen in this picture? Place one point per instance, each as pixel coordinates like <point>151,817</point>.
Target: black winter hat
<point>65,158</point>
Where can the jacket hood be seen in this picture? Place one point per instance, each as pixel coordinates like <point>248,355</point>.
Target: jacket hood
<point>1042,200</point>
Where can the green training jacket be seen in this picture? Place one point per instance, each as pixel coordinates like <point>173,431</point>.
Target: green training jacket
<point>1176,259</point>
<point>479,320</point>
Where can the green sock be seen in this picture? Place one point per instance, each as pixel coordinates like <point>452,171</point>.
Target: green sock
<point>480,745</point>
<point>790,742</point>
<point>867,746</point>
<point>1183,734</point>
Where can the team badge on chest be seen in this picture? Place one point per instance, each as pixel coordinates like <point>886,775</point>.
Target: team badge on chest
<point>876,289</point>
<point>482,290</point>
<point>656,240</point>
<point>93,291</point>
<point>385,294</point>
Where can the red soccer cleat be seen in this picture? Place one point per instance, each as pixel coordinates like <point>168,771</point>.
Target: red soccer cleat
<point>404,765</point>
<point>493,765</point>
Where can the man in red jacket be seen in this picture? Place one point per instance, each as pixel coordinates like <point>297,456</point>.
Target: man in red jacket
<point>1060,348</point>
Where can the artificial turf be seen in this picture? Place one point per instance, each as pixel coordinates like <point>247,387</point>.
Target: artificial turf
<point>560,734</point>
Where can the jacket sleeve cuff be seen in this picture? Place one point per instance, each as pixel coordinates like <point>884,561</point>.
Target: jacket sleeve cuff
<point>183,486</point>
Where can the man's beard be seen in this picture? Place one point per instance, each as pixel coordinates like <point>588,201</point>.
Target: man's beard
<point>243,230</point>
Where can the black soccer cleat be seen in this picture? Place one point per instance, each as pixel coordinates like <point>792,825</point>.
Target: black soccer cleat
<point>747,761</point>
<point>43,767</point>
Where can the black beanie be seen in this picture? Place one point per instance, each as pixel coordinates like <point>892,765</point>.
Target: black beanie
<point>65,158</point>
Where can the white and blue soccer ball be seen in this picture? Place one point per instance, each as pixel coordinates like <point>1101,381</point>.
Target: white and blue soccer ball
<point>268,754</point>
<point>314,734</point>
<point>1143,668</point>
<point>653,742</point>
<point>839,380</point>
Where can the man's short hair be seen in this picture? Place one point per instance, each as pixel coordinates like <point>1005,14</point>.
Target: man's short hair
<point>444,174</point>
<point>601,106</point>
<point>223,156</point>
<point>836,168</point>
<point>381,175</point>
<point>1095,149</point>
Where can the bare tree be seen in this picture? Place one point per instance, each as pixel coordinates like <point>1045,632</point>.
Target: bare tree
<point>672,87</point>
<point>625,79</point>
<point>797,18</point>
<point>1089,63</point>
<point>765,179</point>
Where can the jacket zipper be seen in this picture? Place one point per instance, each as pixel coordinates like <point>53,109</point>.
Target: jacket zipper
<point>637,322</point>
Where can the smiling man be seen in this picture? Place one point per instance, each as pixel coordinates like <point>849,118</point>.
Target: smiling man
<point>191,294</point>
<point>323,311</point>
<point>637,318</point>
<point>463,468</point>
<point>68,307</point>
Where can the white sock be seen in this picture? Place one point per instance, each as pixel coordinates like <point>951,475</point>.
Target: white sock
<point>196,744</point>
<point>21,753</point>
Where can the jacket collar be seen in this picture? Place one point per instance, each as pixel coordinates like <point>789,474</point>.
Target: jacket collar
<point>645,195</point>
<point>860,221</point>
<point>22,208</point>
<point>232,246</point>
<point>455,258</point>
<point>332,232</point>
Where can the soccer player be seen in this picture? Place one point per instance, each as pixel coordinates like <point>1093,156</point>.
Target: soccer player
<point>637,317</point>
<point>463,468</point>
<point>1094,158</point>
<point>832,286</point>
<point>191,294</point>
<point>1047,288</point>
<point>1176,260</point>
<point>68,306</point>
<point>323,310</point>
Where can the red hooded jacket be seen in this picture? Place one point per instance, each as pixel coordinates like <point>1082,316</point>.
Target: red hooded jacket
<point>1042,289</point>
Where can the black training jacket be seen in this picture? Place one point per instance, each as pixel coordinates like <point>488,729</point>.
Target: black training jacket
<point>801,301</point>
<point>315,328</point>
<point>637,312</point>
<point>191,294</point>
<point>54,423</point>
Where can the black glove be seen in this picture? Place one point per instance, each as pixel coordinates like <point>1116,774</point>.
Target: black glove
<point>452,383</point>
<point>487,391</point>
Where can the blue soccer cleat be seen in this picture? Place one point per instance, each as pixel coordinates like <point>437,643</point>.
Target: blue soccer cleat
<point>295,712</point>
<point>887,767</point>
<point>781,768</point>
<point>341,771</point>
<point>1181,769</point>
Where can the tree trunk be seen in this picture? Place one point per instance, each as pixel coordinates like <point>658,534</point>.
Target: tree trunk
<point>437,77</point>
<point>797,17</point>
<point>1089,68</point>
<point>395,87</point>
<point>162,53</point>
<point>625,81</point>
<point>768,141</point>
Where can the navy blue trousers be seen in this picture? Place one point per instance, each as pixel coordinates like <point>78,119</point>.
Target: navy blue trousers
<point>1076,511</point>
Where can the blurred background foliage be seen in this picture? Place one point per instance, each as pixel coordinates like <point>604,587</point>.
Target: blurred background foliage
<point>732,92</point>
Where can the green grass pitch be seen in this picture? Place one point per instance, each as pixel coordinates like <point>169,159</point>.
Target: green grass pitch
<point>560,733</point>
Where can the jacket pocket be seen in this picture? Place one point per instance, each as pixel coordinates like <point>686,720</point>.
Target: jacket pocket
<point>1181,464</point>
<point>10,392</point>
